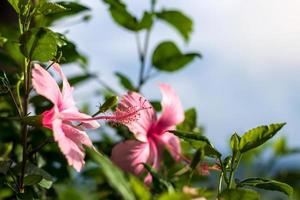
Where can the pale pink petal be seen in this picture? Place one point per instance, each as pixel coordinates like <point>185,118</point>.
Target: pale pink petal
<point>154,161</point>
<point>45,85</point>
<point>73,153</point>
<point>78,136</point>
<point>77,116</point>
<point>130,154</point>
<point>172,143</point>
<point>172,111</point>
<point>145,118</point>
<point>67,90</point>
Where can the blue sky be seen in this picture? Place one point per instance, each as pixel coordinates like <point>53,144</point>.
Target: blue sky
<point>249,74</point>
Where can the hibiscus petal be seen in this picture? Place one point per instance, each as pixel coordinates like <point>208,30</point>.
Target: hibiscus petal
<point>78,136</point>
<point>172,143</point>
<point>172,111</point>
<point>75,114</point>
<point>130,154</point>
<point>45,85</point>
<point>146,118</point>
<point>73,153</point>
<point>67,90</point>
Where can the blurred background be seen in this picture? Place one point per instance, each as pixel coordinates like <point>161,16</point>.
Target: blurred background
<point>249,73</point>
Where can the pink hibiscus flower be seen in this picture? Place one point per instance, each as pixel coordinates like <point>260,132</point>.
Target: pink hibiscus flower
<point>70,138</point>
<point>150,133</point>
<point>60,117</point>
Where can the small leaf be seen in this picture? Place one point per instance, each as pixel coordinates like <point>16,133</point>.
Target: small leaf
<point>32,179</point>
<point>109,103</point>
<point>167,57</point>
<point>47,8</point>
<point>239,194</point>
<point>44,183</point>
<point>267,184</point>
<point>190,136</point>
<point>234,142</point>
<point>114,175</point>
<point>257,136</point>
<point>38,44</point>
<point>182,23</point>
<point>70,9</point>
<point>198,141</point>
<point>124,18</point>
<point>190,120</point>
<point>125,82</point>
<point>198,156</point>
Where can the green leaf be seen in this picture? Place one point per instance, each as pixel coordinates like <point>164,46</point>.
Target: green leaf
<point>5,149</point>
<point>267,184</point>
<point>182,23</point>
<point>141,192</point>
<point>190,120</point>
<point>78,79</point>
<point>234,142</point>
<point>70,9</point>
<point>4,166</point>
<point>109,103</point>
<point>114,175</point>
<point>45,183</point>
<point>198,141</point>
<point>257,136</point>
<point>239,194</point>
<point>198,156</point>
<point>124,18</point>
<point>125,82</point>
<point>32,179</point>
<point>38,44</point>
<point>156,105</point>
<point>167,57</point>
<point>47,8</point>
<point>15,5</point>
<point>190,136</point>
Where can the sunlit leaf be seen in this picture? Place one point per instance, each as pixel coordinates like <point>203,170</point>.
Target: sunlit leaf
<point>167,57</point>
<point>47,8</point>
<point>15,5</point>
<point>125,82</point>
<point>257,136</point>
<point>239,194</point>
<point>182,23</point>
<point>267,184</point>
<point>114,175</point>
<point>38,44</point>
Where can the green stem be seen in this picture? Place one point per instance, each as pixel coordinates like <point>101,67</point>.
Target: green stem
<point>220,183</point>
<point>143,53</point>
<point>234,166</point>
